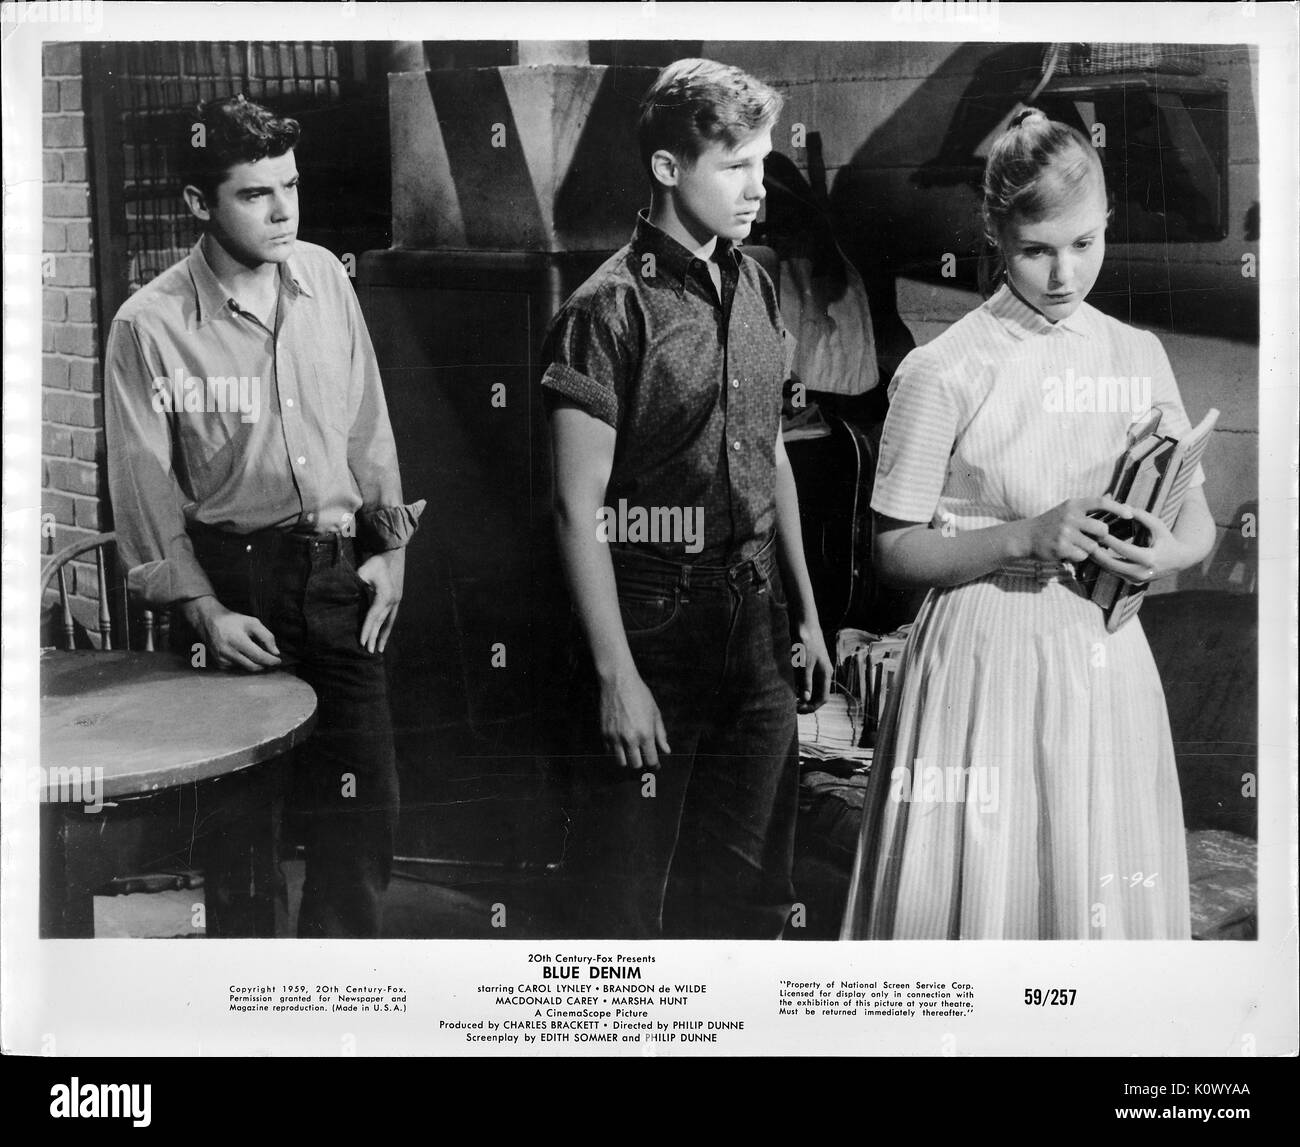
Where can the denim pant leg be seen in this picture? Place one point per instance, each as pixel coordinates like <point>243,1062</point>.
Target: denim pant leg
<point>709,853</point>
<point>735,854</point>
<point>345,774</point>
<point>622,844</point>
<point>625,829</point>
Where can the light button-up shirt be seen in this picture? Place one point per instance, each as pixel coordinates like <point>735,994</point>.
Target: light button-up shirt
<point>214,418</point>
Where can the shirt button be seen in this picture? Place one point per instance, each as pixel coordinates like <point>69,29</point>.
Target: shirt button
<point>301,460</point>
<point>288,402</point>
<point>735,384</point>
<point>736,445</point>
<point>248,549</point>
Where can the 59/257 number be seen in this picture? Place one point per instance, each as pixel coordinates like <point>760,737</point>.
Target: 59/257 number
<point>1050,997</point>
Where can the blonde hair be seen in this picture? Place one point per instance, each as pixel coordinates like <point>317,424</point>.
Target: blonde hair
<point>1032,151</point>
<point>695,102</point>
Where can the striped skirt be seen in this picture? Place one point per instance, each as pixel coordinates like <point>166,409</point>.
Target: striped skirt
<point>1024,784</point>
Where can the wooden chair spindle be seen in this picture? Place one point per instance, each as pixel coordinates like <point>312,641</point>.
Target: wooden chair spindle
<point>105,616</point>
<point>69,632</point>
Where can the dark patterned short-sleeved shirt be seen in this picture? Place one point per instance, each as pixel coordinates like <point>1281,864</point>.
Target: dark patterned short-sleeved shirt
<point>692,385</point>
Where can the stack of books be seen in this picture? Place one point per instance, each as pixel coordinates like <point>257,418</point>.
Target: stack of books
<point>845,727</point>
<point>1152,474</point>
<point>833,732</point>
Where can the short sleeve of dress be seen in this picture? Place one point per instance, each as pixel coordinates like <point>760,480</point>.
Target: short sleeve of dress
<point>917,442</point>
<point>1166,398</point>
<point>587,359</point>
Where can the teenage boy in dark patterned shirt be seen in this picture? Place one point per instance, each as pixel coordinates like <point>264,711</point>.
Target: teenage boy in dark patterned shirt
<point>679,534</point>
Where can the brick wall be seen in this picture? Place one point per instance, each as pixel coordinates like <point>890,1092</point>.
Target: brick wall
<point>151,80</point>
<point>73,485</point>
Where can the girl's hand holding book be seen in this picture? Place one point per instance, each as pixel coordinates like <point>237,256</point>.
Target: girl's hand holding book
<point>1066,533</point>
<point>1162,554</point>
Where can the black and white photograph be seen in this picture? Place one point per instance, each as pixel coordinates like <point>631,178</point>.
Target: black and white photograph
<point>497,527</point>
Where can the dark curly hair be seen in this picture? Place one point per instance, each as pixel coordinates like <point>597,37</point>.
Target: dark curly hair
<point>234,130</point>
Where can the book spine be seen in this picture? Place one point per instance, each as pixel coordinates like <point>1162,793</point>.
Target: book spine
<point>1172,489</point>
<point>1106,589</point>
<point>1125,608</point>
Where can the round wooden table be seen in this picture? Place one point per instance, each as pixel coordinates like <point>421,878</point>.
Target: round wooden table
<point>176,745</point>
<point>152,722</point>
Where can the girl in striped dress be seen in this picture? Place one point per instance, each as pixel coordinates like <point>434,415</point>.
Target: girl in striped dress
<point>1024,784</point>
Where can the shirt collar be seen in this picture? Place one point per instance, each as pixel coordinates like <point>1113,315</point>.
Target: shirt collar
<point>1021,320</point>
<point>212,299</point>
<point>672,260</point>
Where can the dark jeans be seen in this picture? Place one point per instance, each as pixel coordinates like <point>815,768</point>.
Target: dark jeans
<point>709,854</point>
<point>307,592</point>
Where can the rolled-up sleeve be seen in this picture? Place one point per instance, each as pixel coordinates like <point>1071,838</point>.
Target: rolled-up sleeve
<point>384,521</point>
<point>148,502</point>
<point>381,528</point>
<point>587,358</point>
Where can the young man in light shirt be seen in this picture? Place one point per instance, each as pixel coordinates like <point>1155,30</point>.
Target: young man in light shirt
<point>275,525</point>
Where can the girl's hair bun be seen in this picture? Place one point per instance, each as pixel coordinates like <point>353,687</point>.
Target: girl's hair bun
<point>1027,114</point>
<point>1019,160</point>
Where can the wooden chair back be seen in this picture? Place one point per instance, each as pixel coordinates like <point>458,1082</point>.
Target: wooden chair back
<point>113,625</point>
